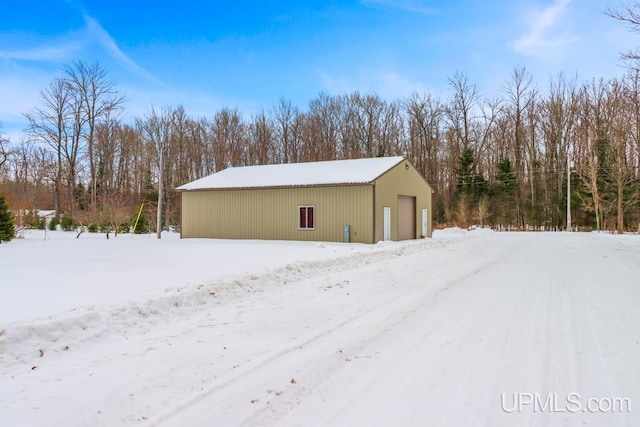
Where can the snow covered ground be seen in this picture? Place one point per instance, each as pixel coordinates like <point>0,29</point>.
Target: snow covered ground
<point>467,328</point>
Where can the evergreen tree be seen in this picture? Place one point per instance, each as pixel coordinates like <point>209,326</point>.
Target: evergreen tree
<point>506,178</point>
<point>471,187</point>
<point>464,172</point>
<point>7,230</point>
<point>469,182</point>
<point>503,191</point>
<point>66,223</point>
<point>142,227</point>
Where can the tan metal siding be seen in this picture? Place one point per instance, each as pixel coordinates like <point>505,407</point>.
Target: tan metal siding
<point>401,180</point>
<point>406,217</point>
<point>272,214</point>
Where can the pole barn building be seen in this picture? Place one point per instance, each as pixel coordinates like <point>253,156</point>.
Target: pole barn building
<point>360,200</point>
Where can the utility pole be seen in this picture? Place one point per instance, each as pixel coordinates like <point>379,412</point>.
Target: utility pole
<point>160,190</point>
<point>569,166</point>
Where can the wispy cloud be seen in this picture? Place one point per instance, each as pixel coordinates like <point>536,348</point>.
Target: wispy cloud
<point>75,45</point>
<point>387,84</point>
<point>107,42</point>
<point>413,6</point>
<point>543,30</point>
<point>27,65</point>
<point>59,52</point>
<point>19,91</point>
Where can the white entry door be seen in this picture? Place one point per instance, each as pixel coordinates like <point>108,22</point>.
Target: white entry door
<point>424,223</point>
<point>387,223</point>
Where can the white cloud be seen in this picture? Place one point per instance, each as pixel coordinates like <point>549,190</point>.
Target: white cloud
<point>414,6</point>
<point>394,85</point>
<point>543,32</point>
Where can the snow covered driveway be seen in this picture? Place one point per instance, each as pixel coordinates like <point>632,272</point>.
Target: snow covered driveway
<point>464,329</point>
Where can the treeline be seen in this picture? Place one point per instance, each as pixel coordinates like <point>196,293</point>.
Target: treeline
<point>499,161</point>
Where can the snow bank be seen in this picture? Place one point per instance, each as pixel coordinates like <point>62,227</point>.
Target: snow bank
<point>116,284</point>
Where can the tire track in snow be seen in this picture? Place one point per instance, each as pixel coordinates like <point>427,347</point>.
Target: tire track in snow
<point>322,371</point>
<point>323,367</point>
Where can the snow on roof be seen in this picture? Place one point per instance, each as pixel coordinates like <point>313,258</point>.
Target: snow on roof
<point>356,171</point>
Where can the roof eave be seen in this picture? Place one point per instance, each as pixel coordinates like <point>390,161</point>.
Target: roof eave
<point>277,187</point>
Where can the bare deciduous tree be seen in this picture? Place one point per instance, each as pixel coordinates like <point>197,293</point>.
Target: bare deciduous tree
<point>628,14</point>
<point>50,124</point>
<point>287,119</point>
<point>97,98</point>
<point>425,112</point>
<point>4,149</point>
<point>155,130</point>
<point>520,103</point>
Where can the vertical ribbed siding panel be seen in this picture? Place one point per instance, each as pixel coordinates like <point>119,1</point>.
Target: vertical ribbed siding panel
<point>273,213</point>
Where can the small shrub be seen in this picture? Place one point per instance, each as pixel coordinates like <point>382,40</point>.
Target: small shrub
<point>36,223</point>
<point>66,223</point>
<point>93,228</point>
<point>142,227</point>
<point>53,224</point>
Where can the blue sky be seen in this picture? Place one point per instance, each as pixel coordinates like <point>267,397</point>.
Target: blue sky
<point>206,55</point>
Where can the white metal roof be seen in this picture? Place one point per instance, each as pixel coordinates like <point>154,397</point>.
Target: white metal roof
<point>356,171</point>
